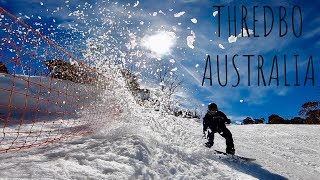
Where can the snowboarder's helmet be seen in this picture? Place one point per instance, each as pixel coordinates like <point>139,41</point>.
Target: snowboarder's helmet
<point>212,106</point>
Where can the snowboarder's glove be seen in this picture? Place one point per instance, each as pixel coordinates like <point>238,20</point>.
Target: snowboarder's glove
<point>228,121</point>
<point>204,135</point>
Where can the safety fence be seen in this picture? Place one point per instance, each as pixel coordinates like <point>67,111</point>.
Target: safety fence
<point>43,88</point>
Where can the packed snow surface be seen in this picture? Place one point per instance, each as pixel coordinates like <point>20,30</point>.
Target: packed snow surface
<point>148,145</point>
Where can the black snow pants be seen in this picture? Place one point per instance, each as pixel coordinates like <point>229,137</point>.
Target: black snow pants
<point>224,132</point>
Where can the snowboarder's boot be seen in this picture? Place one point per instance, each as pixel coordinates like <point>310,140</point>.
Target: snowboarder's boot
<point>230,151</point>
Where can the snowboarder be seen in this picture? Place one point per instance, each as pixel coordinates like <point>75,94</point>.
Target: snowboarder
<point>215,120</point>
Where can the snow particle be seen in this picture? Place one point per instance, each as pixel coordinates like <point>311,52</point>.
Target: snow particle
<point>132,41</point>
<point>215,13</point>
<point>221,46</point>
<point>245,32</point>
<point>179,14</point>
<point>241,100</point>
<point>232,39</point>
<point>161,12</point>
<point>136,4</point>
<point>194,20</point>
<point>174,69</point>
<point>191,39</point>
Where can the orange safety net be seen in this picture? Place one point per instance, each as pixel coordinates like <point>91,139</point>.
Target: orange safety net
<point>43,88</point>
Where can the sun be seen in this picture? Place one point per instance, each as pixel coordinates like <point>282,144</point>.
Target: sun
<point>160,44</point>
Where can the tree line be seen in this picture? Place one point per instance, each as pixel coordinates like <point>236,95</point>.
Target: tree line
<point>310,114</point>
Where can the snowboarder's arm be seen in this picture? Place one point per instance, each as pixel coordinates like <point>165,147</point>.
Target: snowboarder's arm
<point>226,119</point>
<point>205,123</point>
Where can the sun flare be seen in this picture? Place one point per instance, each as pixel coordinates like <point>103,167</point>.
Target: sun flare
<point>159,44</point>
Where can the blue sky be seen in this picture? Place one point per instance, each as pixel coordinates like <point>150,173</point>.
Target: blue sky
<point>127,29</point>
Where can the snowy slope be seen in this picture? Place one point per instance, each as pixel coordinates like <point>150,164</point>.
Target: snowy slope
<point>148,145</point>
<point>132,142</point>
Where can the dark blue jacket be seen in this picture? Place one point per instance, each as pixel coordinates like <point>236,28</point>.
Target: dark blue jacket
<point>216,122</point>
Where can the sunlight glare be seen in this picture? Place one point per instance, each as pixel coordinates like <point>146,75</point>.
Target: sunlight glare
<point>159,44</point>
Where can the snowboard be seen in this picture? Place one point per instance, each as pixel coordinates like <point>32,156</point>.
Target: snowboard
<point>236,157</point>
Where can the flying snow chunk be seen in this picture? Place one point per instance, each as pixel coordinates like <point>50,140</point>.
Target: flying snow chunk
<point>194,20</point>
<point>197,65</point>
<point>41,3</point>
<point>132,41</point>
<point>161,12</point>
<point>154,13</point>
<point>232,39</point>
<point>174,28</point>
<point>172,61</point>
<point>191,39</point>
<point>245,32</point>
<point>179,14</point>
<point>221,46</point>
<point>174,69</point>
<point>136,4</point>
<point>215,13</point>
<point>241,100</point>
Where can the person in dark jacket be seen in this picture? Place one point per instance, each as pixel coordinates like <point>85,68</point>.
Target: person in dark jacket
<point>215,121</point>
